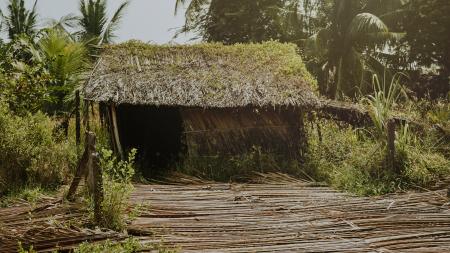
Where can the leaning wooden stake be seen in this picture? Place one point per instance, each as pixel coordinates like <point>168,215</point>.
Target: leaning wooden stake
<point>391,144</point>
<point>82,165</point>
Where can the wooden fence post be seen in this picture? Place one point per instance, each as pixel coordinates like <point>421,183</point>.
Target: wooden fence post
<point>303,137</point>
<point>77,118</point>
<point>98,187</point>
<point>82,165</point>
<point>391,145</point>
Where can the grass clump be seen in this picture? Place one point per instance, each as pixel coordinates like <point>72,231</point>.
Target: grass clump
<point>31,152</point>
<point>131,245</point>
<point>31,195</point>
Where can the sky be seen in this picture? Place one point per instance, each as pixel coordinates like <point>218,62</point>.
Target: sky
<point>147,20</point>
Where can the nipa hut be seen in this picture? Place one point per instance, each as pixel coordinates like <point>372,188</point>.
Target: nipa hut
<point>204,100</point>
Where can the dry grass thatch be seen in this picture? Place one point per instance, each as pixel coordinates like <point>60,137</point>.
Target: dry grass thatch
<point>203,75</point>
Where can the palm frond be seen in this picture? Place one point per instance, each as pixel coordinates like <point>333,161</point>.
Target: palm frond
<point>365,23</point>
<point>113,25</point>
<point>178,4</point>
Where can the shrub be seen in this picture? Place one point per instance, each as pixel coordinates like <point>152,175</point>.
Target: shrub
<point>31,152</point>
<point>352,160</point>
<point>131,245</point>
<point>117,188</point>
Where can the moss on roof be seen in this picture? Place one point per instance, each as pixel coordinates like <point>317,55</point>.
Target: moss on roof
<point>206,75</point>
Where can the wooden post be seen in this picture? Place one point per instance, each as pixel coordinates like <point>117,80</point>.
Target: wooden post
<point>86,115</point>
<point>303,138</point>
<point>391,145</point>
<point>77,118</point>
<point>82,165</point>
<point>98,187</point>
<point>116,131</point>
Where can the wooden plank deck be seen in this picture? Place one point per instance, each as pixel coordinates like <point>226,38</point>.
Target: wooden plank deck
<point>290,217</point>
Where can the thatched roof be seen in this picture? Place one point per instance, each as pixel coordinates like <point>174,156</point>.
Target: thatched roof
<point>204,75</point>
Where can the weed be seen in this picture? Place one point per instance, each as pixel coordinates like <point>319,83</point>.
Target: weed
<point>21,249</point>
<point>131,245</point>
<point>117,188</point>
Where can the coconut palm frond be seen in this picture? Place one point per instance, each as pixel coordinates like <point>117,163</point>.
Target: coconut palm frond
<point>20,20</point>
<point>365,23</point>
<point>113,25</point>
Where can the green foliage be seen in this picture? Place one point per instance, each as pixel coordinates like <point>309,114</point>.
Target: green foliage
<point>121,171</point>
<point>23,250</point>
<point>353,160</point>
<point>96,29</point>
<point>19,20</point>
<point>117,188</point>
<point>381,104</point>
<point>342,53</point>
<point>131,245</point>
<point>31,152</point>
<point>66,62</point>
<point>440,114</point>
<point>427,27</point>
<point>23,78</point>
<point>31,195</point>
<point>282,57</point>
<point>252,21</point>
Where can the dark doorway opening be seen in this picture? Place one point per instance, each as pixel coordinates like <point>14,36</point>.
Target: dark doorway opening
<point>157,134</point>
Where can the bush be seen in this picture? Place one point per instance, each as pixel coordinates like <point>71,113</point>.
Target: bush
<point>117,188</point>
<point>130,245</point>
<point>30,152</point>
<point>352,160</point>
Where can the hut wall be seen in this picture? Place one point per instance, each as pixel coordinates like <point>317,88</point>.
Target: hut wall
<point>231,131</point>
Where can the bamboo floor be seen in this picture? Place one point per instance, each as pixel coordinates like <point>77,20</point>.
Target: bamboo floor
<point>290,217</point>
<point>279,216</point>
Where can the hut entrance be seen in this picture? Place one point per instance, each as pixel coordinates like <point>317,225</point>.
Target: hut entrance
<point>156,132</point>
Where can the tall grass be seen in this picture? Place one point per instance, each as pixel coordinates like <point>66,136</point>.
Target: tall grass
<point>381,103</point>
<point>354,159</point>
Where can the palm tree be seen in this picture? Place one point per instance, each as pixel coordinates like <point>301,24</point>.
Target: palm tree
<point>19,20</point>
<point>344,49</point>
<point>66,63</point>
<point>95,25</point>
